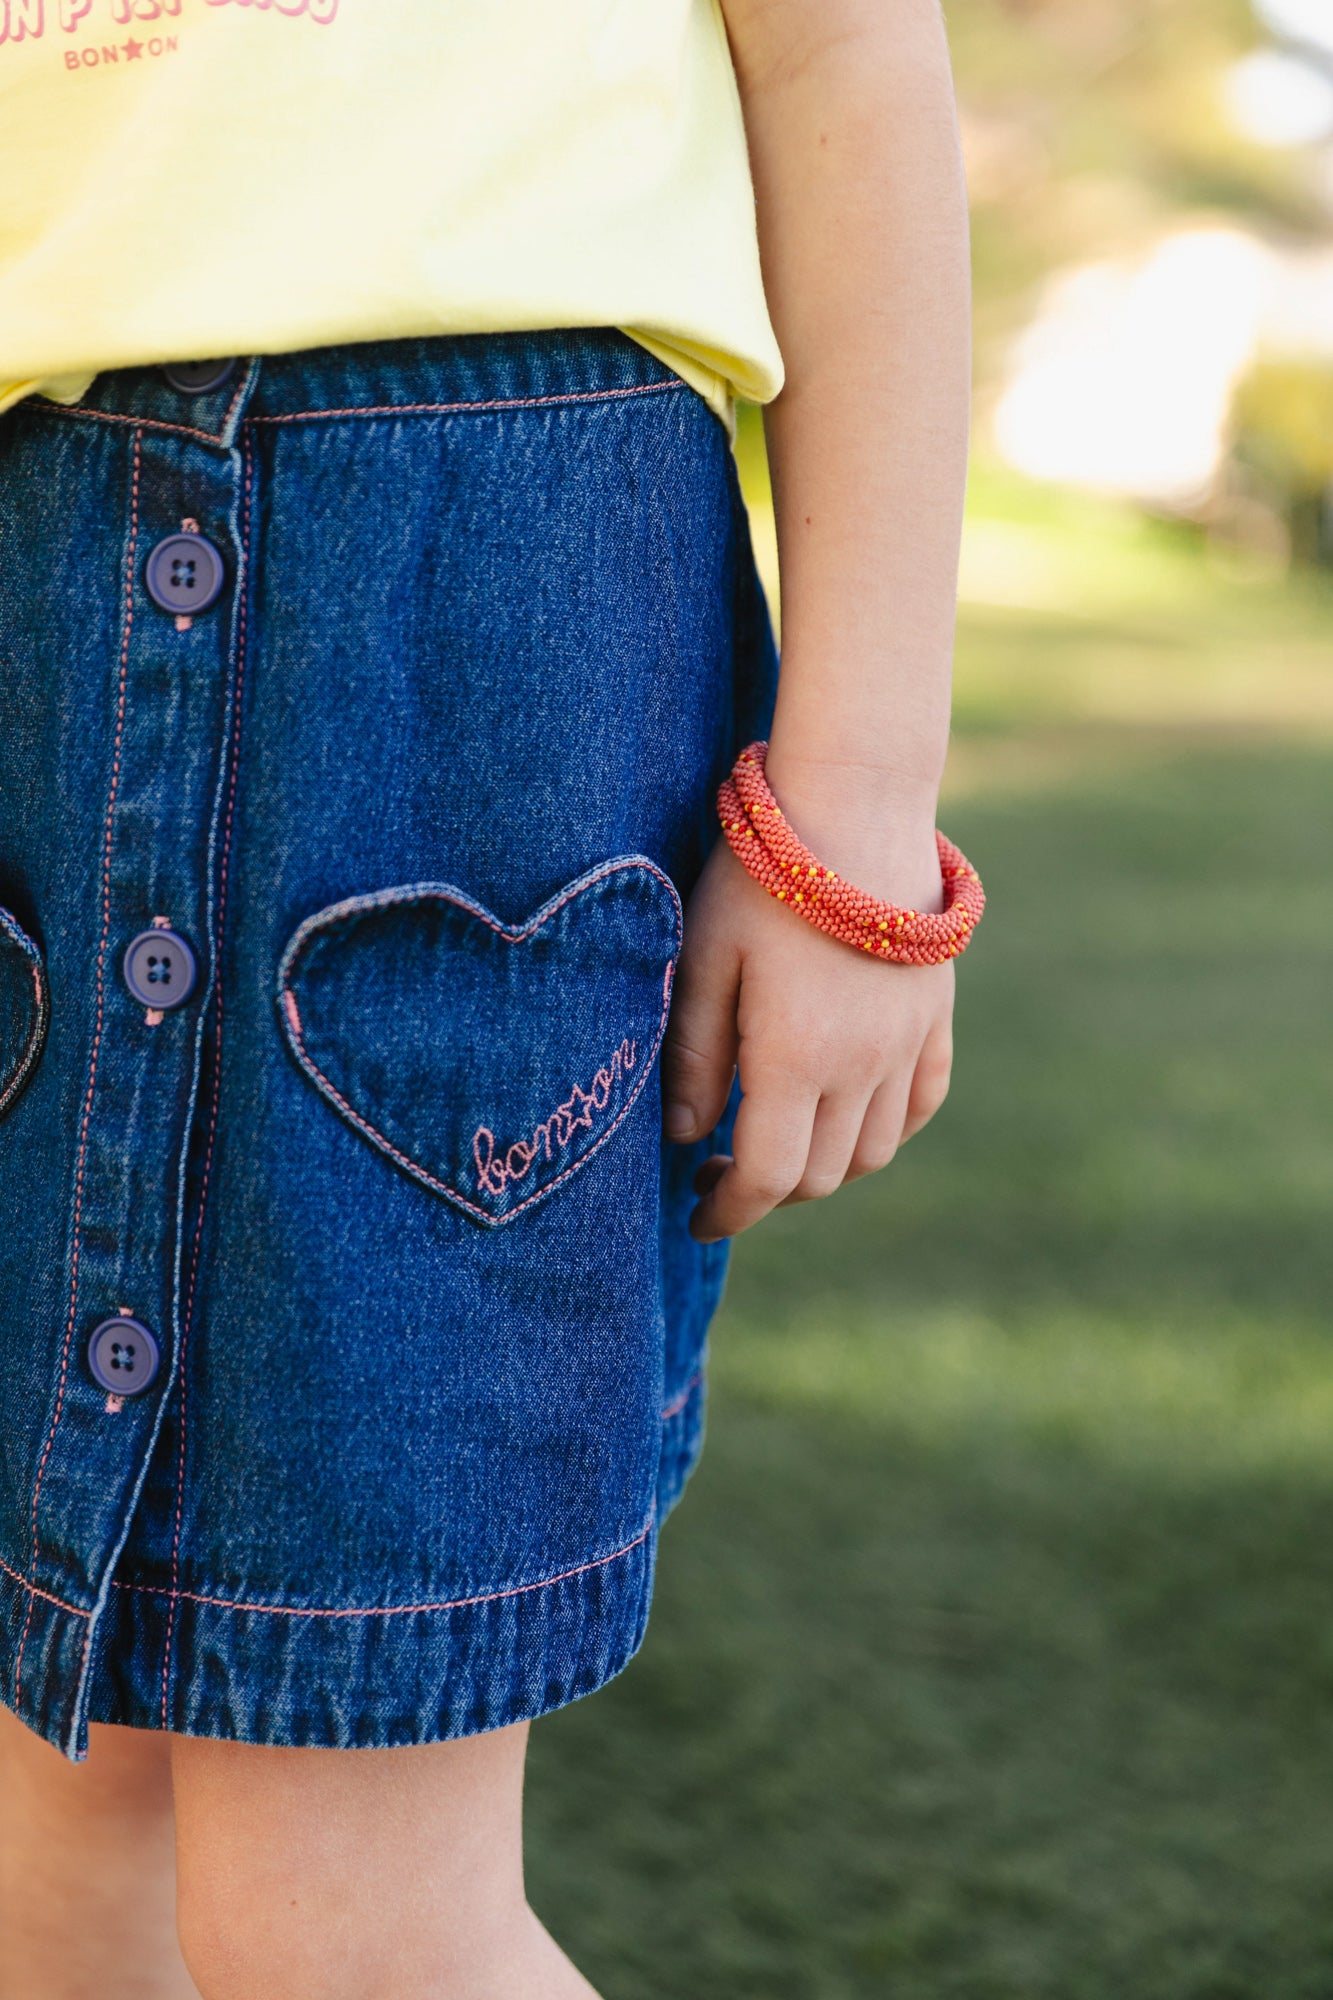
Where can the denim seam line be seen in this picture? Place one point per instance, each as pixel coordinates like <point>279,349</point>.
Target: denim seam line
<point>678,1402</point>
<point>35,1590</point>
<point>238,397</point>
<point>74,410</point>
<point>289,1014</point>
<point>565,397</point>
<point>32,1047</point>
<point>574,396</point>
<point>233,754</point>
<point>391,1610</point>
<point>113,791</point>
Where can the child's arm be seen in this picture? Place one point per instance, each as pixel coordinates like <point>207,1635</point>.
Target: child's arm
<point>853,136</point>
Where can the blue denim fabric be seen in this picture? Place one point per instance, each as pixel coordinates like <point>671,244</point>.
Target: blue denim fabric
<point>425,790</point>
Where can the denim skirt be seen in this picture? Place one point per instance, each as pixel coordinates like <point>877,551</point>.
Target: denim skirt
<point>361,715</point>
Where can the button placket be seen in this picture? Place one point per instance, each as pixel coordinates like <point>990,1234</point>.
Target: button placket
<point>167,721</point>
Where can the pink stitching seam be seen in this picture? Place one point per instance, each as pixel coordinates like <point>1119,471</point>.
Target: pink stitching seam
<point>215,1094</point>
<point>492,1173</point>
<point>236,398</point>
<point>460,409</point>
<point>74,410</point>
<point>107,838</point>
<point>387,1610</point>
<point>677,1404</point>
<point>384,899</point>
<point>141,424</point>
<point>25,1062</point>
<point>324,919</point>
<point>34,1590</point>
<point>442,1187</point>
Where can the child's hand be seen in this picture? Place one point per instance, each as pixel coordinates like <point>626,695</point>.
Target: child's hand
<point>841,1058</point>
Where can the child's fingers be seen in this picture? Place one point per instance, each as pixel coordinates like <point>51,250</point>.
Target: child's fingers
<point>894,1114</point>
<point>882,1130</point>
<point>833,1139</point>
<point>710,1173</point>
<point>930,1084</point>
<point>771,1147</point>
<point>699,1054</point>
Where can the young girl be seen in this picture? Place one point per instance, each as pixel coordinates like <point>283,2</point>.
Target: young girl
<point>370,1141</point>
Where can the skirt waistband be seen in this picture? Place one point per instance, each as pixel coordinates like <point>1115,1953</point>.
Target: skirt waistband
<point>430,374</point>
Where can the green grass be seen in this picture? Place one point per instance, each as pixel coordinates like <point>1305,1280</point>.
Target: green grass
<point>992,1652</point>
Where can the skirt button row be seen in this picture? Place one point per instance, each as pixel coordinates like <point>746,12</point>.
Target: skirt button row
<point>184,575</point>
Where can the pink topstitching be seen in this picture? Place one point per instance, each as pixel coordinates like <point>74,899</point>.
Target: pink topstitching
<point>128,627</point>
<point>141,424</point>
<point>677,1403</point>
<point>493,1171</point>
<point>19,1077</point>
<point>34,1590</point>
<point>387,1610</point>
<point>384,899</point>
<point>460,409</point>
<point>442,1187</point>
<point>234,404</point>
<point>216,1089</point>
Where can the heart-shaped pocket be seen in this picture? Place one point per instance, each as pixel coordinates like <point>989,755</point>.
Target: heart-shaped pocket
<point>489,1061</point>
<point>24,1008</point>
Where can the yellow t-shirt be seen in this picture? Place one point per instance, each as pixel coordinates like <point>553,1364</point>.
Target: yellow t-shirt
<point>196,177</point>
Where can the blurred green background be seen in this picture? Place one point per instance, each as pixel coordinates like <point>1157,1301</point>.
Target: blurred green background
<point>992,1650</point>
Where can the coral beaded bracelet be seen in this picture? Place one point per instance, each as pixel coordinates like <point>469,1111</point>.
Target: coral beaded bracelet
<point>762,840</point>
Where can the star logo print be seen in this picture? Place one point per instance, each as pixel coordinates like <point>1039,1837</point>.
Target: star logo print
<point>133,50</point>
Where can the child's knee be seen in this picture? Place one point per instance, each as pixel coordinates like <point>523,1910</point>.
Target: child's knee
<point>347,1873</point>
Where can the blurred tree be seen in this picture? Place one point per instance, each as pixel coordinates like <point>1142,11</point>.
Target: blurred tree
<point>1282,450</point>
<point>1089,125</point>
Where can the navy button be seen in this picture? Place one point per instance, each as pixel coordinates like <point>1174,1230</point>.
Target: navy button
<point>123,1356</point>
<point>159,968</point>
<point>184,574</point>
<point>196,378</point>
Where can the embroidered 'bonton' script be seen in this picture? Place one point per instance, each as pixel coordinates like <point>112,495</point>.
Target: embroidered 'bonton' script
<point>495,1170</point>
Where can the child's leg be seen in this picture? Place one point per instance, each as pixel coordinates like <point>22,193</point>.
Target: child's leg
<point>87,1872</point>
<point>361,1874</point>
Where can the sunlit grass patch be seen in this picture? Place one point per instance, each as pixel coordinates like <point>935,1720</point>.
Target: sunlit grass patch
<point>1199,1396</point>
